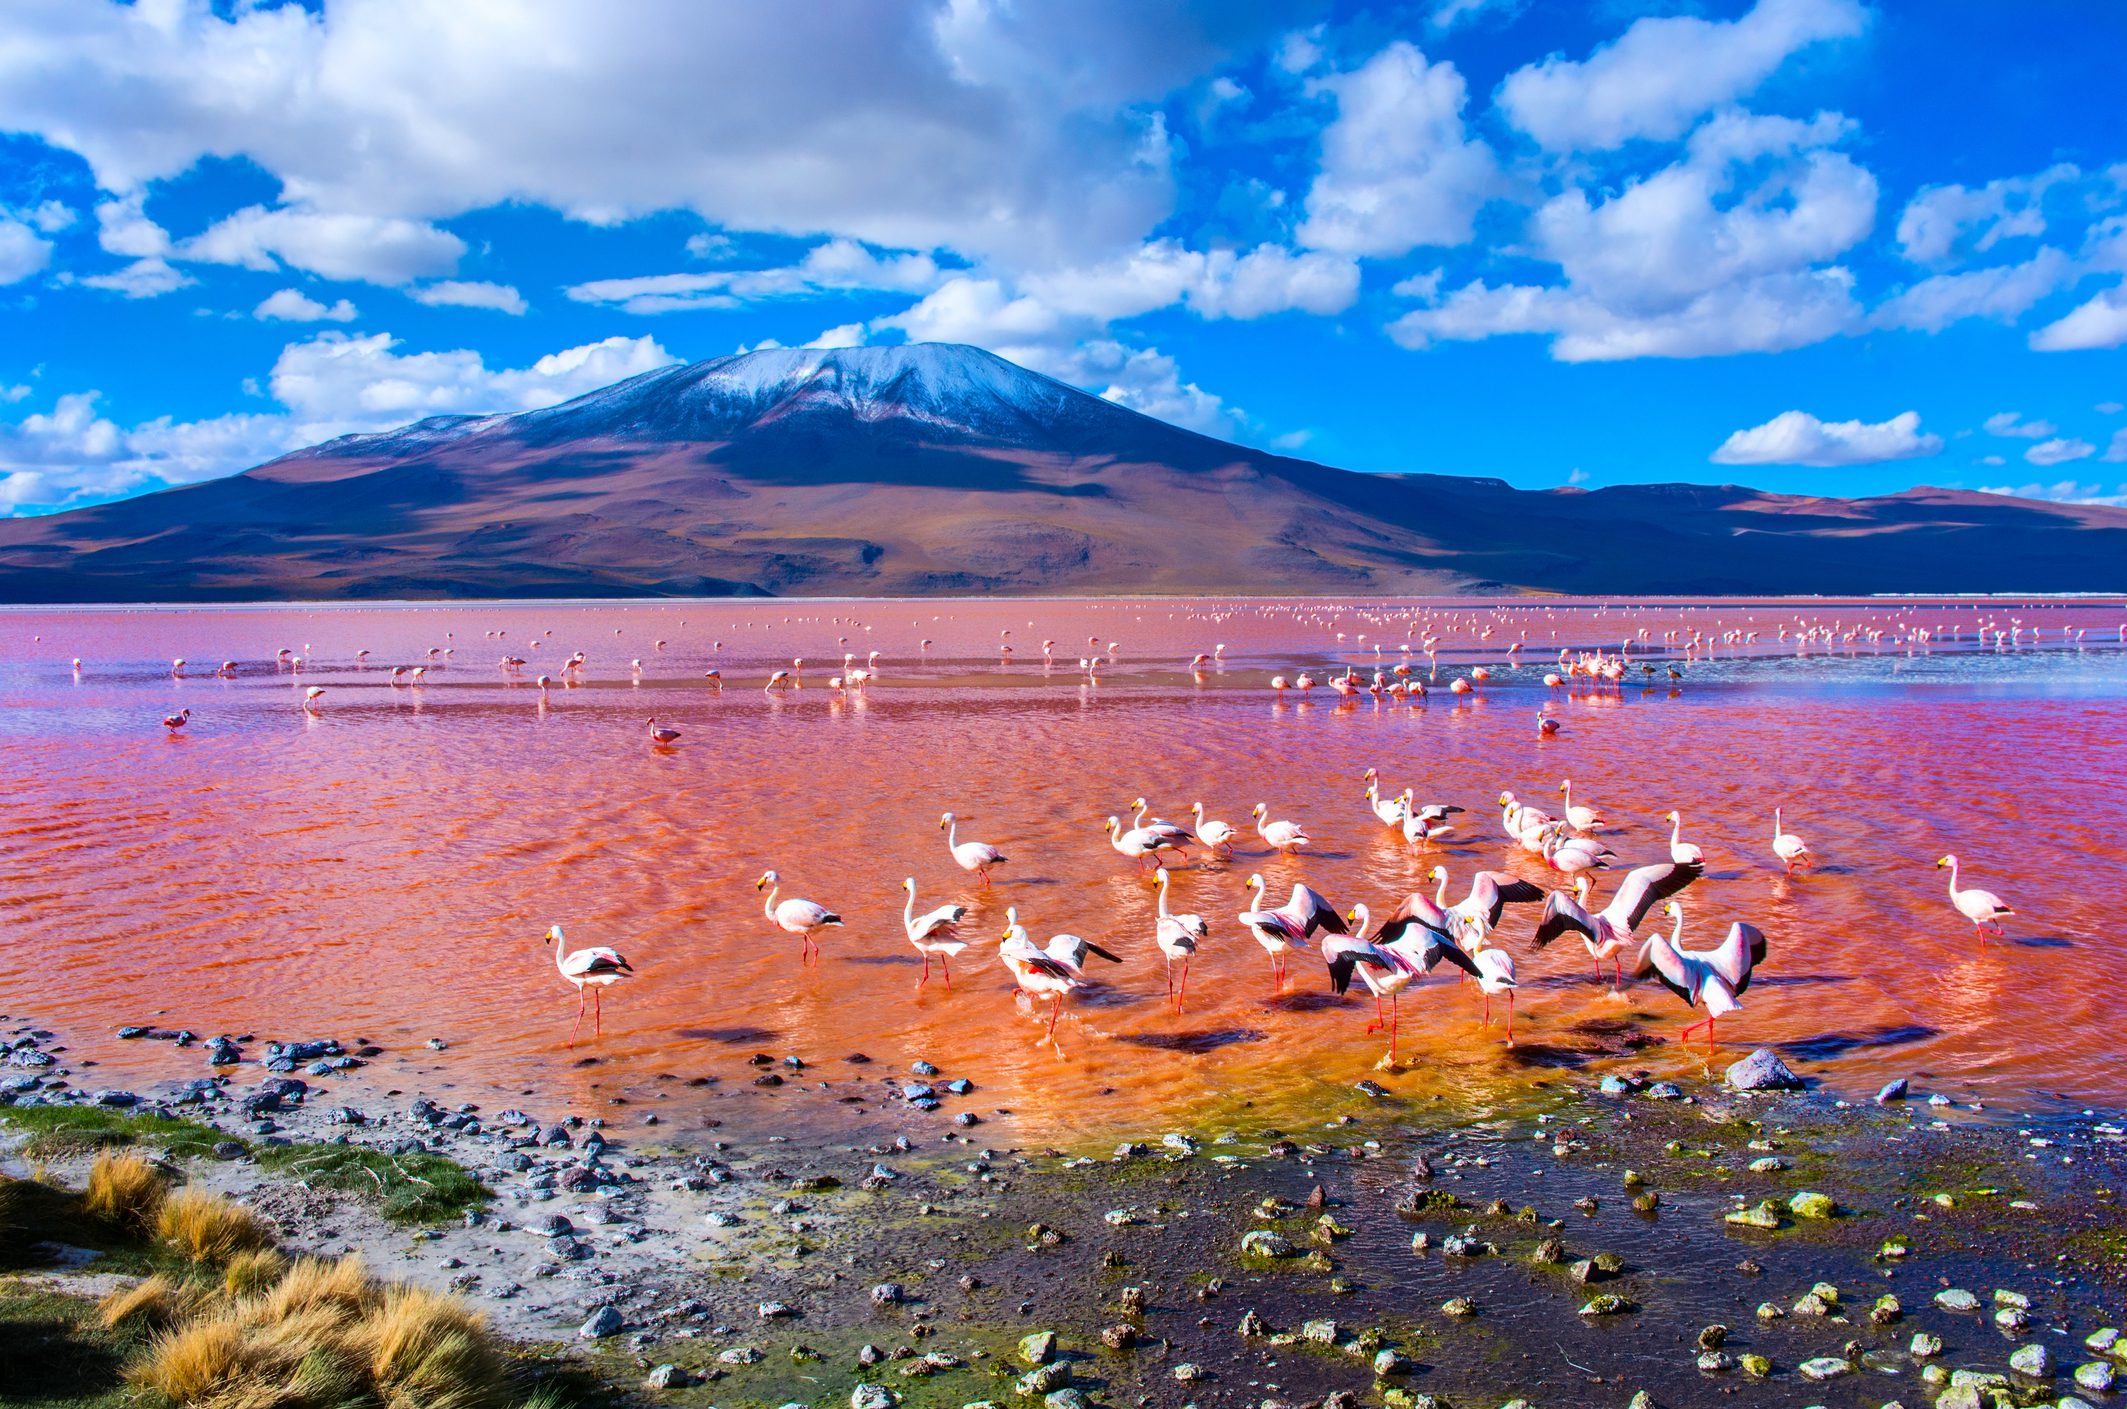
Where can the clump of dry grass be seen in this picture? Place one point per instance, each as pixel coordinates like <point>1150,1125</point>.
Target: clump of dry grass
<point>125,1191</point>
<point>209,1228</point>
<point>249,1273</point>
<point>159,1302</point>
<point>323,1334</point>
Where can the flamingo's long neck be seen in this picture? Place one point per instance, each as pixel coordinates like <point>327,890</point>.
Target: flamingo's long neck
<point>1440,895</point>
<point>768,905</point>
<point>1142,809</point>
<point>1568,791</point>
<point>908,911</point>
<point>1362,918</point>
<point>1676,936</point>
<point>1676,830</point>
<point>952,834</point>
<point>561,954</point>
<point>1953,878</point>
<point>1776,828</point>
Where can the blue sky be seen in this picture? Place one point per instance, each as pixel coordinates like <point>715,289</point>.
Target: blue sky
<point>1812,245</point>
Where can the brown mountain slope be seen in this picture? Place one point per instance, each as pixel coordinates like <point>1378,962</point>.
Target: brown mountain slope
<point>935,469</point>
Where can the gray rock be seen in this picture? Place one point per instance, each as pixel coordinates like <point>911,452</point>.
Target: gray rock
<point>2096,1375</point>
<point>866,1396</point>
<point>1824,1367</point>
<point>1038,1348</point>
<point>1264,1243</point>
<point>667,1376</point>
<point>2032,1360</point>
<point>1763,1070</point>
<point>888,1294</point>
<point>1892,1091</point>
<point>604,1322</point>
<point>1043,1379</point>
<point>1956,1299</point>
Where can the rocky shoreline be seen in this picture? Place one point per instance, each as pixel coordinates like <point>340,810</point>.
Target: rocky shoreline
<point>1605,1240</point>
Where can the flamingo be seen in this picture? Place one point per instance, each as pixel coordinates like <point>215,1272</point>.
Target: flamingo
<point>1546,726</point>
<point>1042,973</point>
<point>1981,907</point>
<point>1477,914</point>
<point>1404,948</point>
<point>1154,824</point>
<point>1178,937</point>
<point>1583,819</point>
<point>976,856</point>
<point>933,932</point>
<point>1791,849</point>
<point>662,734</point>
<point>1427,823</point>
<point>1573,855</point>
<point>1213,833</point>
<point>177,721</point>
<point>1680,851</point>
<point>1138,844</point>
<point>1495,974</point>
<point>1290,925</point>
<point>592,968</point>
<point>1608,932</point>
<point>1715,977</point>
<point>1390,811</point>
<point>798,917</point>
<point>311,697</point>
<point>1067,947</point>
<point>1281,835</point>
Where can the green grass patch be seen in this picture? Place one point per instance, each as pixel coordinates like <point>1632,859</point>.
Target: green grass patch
<point>59,1356</point>
<point>58,1131</point>
<point>407,1188</point>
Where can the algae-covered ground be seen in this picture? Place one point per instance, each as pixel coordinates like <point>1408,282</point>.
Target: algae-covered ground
<point>1569,1246</point>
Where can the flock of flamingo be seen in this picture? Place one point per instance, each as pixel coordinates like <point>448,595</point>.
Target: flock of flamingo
<point>1420,935</point>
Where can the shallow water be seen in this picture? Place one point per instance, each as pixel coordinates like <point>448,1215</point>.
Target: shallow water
<point>386,868</point>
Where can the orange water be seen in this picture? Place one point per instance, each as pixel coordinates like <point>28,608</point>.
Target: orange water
<point>387,867</point>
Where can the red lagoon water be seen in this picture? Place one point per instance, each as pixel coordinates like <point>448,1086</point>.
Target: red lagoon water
<point>386,867</point>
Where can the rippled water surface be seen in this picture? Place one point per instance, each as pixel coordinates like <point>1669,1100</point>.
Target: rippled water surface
<point>385,867</point>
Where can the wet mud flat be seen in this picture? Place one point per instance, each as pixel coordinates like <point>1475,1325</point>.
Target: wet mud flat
<point>1592,1241</point>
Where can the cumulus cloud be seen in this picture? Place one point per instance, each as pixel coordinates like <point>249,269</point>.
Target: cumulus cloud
<point>1664,73</point>
<point>1722,251</point>
<point>2102,322</point>
<point>2012,424</point>
<point>836,266</point>
<point>294,306</point>
<point>329,385</point>
<point>1798,438</point>
<point>2066,491</point>
<point>372,249</point>
<point>143,278</point>
<point>23,251</point>
<point>1943,223</point>
<point>841,335</point>
<point>1399,168</point>
<point>1215,284</point>
<point>2001,293</point>
<point>2059,451</point>
<point>990,129</point>
<point>463,293</point>
<point>2116,453</point>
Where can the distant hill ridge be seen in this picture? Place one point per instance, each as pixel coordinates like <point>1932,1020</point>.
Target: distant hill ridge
<point>936,469</point>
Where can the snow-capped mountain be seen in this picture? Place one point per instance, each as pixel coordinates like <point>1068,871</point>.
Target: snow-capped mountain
<point>936,469</point>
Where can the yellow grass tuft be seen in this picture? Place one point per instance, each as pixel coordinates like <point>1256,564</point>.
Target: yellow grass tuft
<point>157,1302</point>
<point>125,1190</point>
<point>209,1228</point>
<point>249,1273</point>
<point>318,1335</point>
<point>433,1352</point>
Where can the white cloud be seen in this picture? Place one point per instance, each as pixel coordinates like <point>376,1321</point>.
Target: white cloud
<point>2065,491</point>
<point>23,251</point>
<point>336,383</point>
<point>1798,438</point>
<point>1145,380</point>
<point>1937,221</point>
<point>1399,169</point>
<point>373,249</point>
<point>1693,260</point>
<point>2012,424</point>
<point>2116,453</point>
<point>122,227</point>
<point>143,278</point>
<point>1300,51</point>
<point>2003,293</point>
<point>2059,451</point>
<point>1447,14</point>
<point>836,266</point>
<point>1217,284</point>
<point>2110,408</point>
<point>995,130</point>
<point>708,245</point>
<point>45,217</point>
<point>294,306</point>
<point>463,293</point>
<point>1664,73</point>
<point>2102,322</point>
<point>842,335</point>
<point>12,394</point>
<point>328,385</point>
